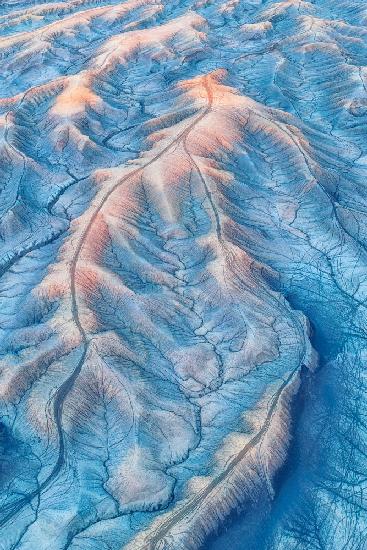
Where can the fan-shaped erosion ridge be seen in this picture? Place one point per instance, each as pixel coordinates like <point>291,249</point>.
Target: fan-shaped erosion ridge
<point>182,199</point>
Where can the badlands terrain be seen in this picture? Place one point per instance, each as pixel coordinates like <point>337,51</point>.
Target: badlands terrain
<point>183,275</point>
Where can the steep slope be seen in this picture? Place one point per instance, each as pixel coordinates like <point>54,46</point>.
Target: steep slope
<point>182,192</point>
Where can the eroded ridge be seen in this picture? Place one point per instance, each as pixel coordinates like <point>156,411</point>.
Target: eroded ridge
<point>182,197</point>
<point>67,386</point>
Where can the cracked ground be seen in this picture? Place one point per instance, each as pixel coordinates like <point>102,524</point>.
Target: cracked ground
<point>183,275</point>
